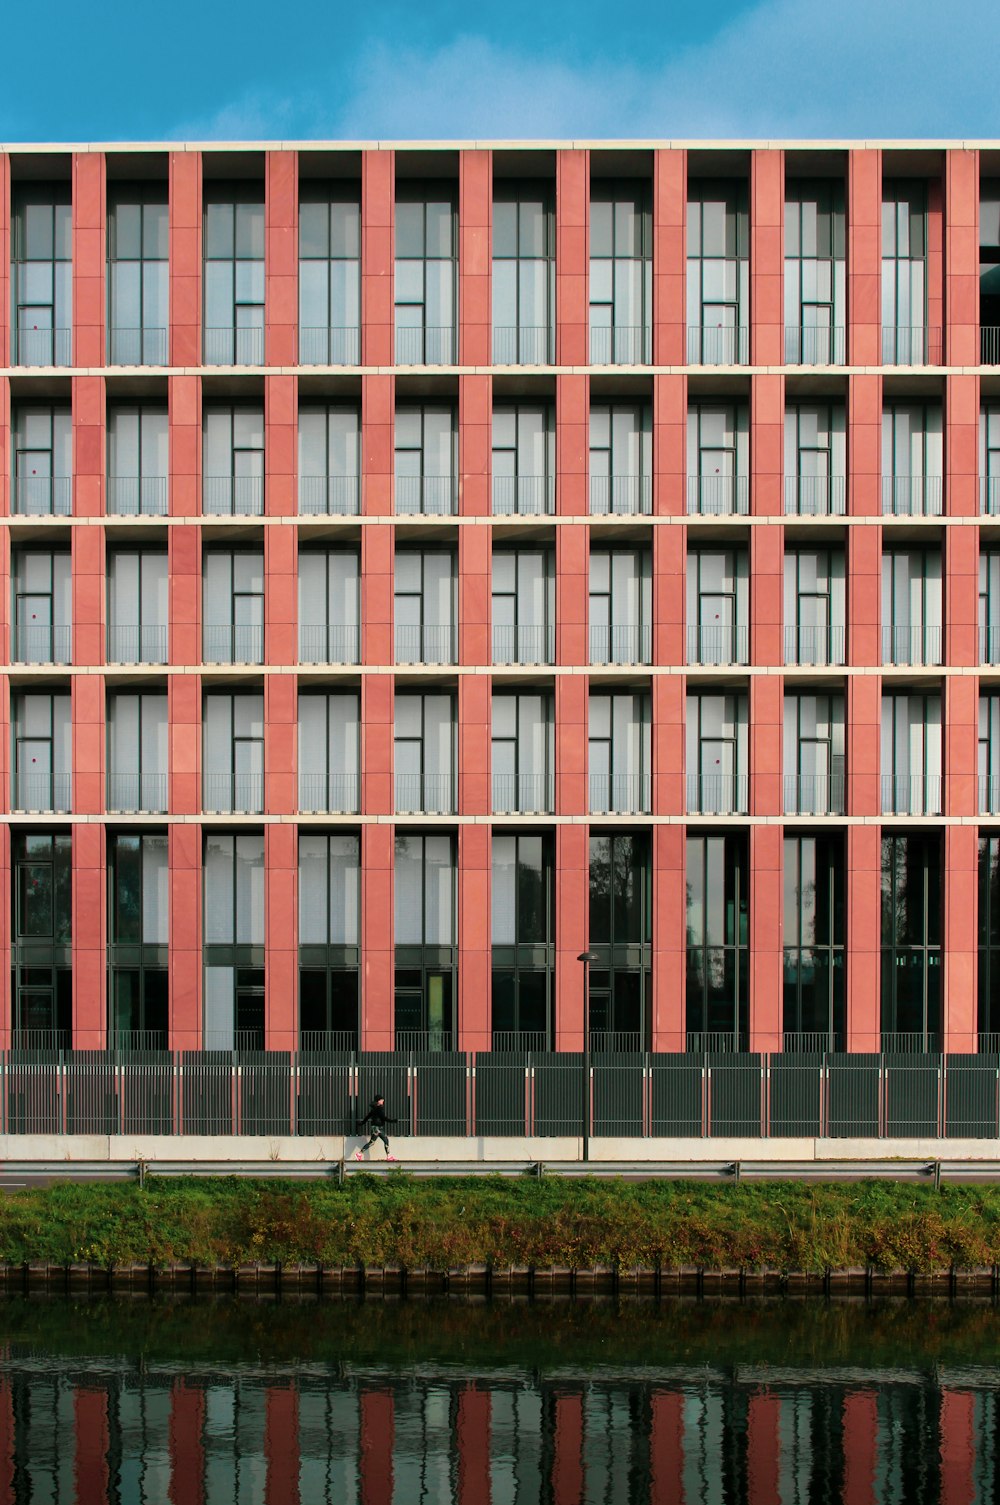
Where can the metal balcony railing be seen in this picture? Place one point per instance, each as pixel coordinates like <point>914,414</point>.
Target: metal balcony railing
<point>425,347</point>
<point>424,1041</point>
<point>619,794</point>
<point>717,345</point>
<point>814,345</point>
<point>911,645</point>
<point>621,643</point>
<point>41,643</point>
<point>522,794</point>
<point>51,792</point>
<point>815,496</point>
<point>329,496</point>
<point>812,1041</point>
<point>620,496</point>
<point>911,794</point>
<point>329,793</point>
<point>620,345</point>
<point>322,643</point>
<point>37,1041</point>
<point>233,496</point>
<point>626,1042</point>
<point>989,496</point>
<point>432,794</point>
<point>239,1042</point>
<point>517,1042</point>
<point>989,645</point>
<point>233,793</point>
<point>328,1042</point>
<point>523,496</point>
<point>989,794</point>
<point>43,496</point>
<point>431,495</point>
<point>330,347</point>
<point>129,643</point>
<point>717,794</point>
<point>223,643</point>
<point>137,1042</point>
<point>44,347</point>
<point>989,345</point>
<point>912,496</point>
<point>910,1043</point>
<point>814,793</point>
<point>524,644</point>
<point>226,346</point>
<point>718,496</point>
<point>913,346</point>
<point>724,644</point>
<point>716,1041</point>
<point>137,347</point>
<point>130,793</point>
<point>814,645</point>
<point>433,643</point>
<point>988,1044</point>
<point>525,345</point>
<point>137,496</point>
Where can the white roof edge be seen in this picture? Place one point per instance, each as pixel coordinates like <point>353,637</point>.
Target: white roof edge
<point>528,144</point>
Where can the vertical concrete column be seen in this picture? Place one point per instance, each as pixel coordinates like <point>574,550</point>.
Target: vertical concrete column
<point>90,258</point>
<point>89,947</point>
<point>378,186</point>
<point>669,256</point>
<point>864,690</point>
<point>961,257</point>
<point>184,585</point>
<point>5,249</point>
<point>864,936</point>
<point>281,1446</point>
<point>185,259</point>
<point>5,927</point>
<point>860,1444</point>
<point>184,448</point>
<point>281,257</point>
<point>864,257</point>
<point>377,722</point>
<point>935,270</point>
<point>669,936</point>
<point>281,586</point>
<point>375,1479</point>
<point>767,446</point>
<point>572,594</point>
<point>184,721</point>
<point>187,1444</point>
<point>472,1437</point>
<point>378,566</point>
<point>961,446</point>
<point>767,594</point>
<point>377,928</point>
<point>669,714</point>
<point>87,695</point>
<point>88,589</point>
<point>961,596</point>
<point>474,713</point>
<point>572,445</point>
<point>184,859</point>
<point>281,725</point>
<point>766,890</point>
<point>281,422</point>
<point>88,446</point>
<point>474,941</point>
<point>669,595</point>
<point>767,256</point>
<point>766,733</point>
<point>572,253</point>
<point>961,882</point>
<point>572,927</point>
<point>377,404</point>
<point>864,446</point>
<point>475,424</point>
<point>281,934</point>
<point>572,728</point>
<point>670,445</point>
<point>475,223</point>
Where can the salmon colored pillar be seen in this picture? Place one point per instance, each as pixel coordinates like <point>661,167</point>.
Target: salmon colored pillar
<point>668,728</point>
<point>281,257</point>
<point>569,1475</point>
<point>377,403</point>
<point>377,591</point>
<point>766,707</point>
<point>763,1448</point>
<point>572,916</point>
<point>474,718</point>
<point>767,257</point>
<point>89,594</point>
<point>377,1429</point>
<point>87,695</point>
<point>957,1447</point>
<point>474,940</point>
<point>935,270</point>
<point>184,419</point>
<point>475,427</point>
<point>669,256</point>
<point>89,258</point>
<point>572,252</point>
<point>860,1441</point>
<point>281,933</point>
<point>572,445</point>
<point>961,738</point>
<point>961,257</point>
<point>88,446</point>
<point>571,734</point>
<point>5,470</point>
<point>185,261</point>
<point>89,949</point>
<point>281,421</point>
<point>670,445</point>
<point>281,1446</point>
<point>961,879</point>
<point>475,256</point>
<point>669,936</point>
<point>90,1431</point>
<point>472,1444</point>
<point>377,864</point>
<point>184,858</point>
<point>281,719</point>
<point>669,595</point>
<point>864,257</point>
<point>5,953</point>
<point>281,595</point>
<point>864,903</point>
<point>187,1444</point>
<point>767,446</point>
<point>666,1446</point>
<point>572,594</point>
<point>5,349</point>
<point>864,690</point>
<point>378,180</point>
<point>475,564</point>
<point>766,887</point>
<point>864,446</point>
<point>767,589</point>
<point>962,447</point>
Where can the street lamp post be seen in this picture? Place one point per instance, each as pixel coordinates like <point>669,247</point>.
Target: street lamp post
<point>588,958</point>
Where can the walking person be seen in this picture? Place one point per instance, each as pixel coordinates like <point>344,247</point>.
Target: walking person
<point>376,1118</point>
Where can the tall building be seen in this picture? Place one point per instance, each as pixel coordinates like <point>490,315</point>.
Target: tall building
<point>430,563</point>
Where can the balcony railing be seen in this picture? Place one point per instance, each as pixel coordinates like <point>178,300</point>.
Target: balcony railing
<point>989,645</point>
<point>911,794</point>
<point>915,346</point>
<point>525,345</point>
<point>39,1041</point>
<point>989,496</point>
<point>137,1042</point>
<point>137,496</point>
<point>424,1040</point>
<point>233,793</point>
<point>715,1041</point>
<point>910,1043</point>
<point>328,793</point>
<point>912,496</point>
<point>329,496</point>
<point>814,794</point>
<point>519,1042</point>
<point>323,643</point>
<point>430,495</point>
<point>432,794</point>
<point>523,496</point>
<point>620,496</point>
<point>989,346</point>
<point>50,792</point>
<point>989,794</point>
<point>812,1042</point>
<point>726,644</point>
<point>618,1042</point>
<point>44,347</point>
<point>226,346</point>
<point>717,794</point>
<point>621,643</point>
<point>433,643</point>
<point>814,345</point>
<point>41,643</point>
<point>235,1041</point>
<point>523,645</point>
<point>620,345</point>
<point>522,794</point>
<point>718,345</point>
<point>43,496</point>
<point>718,496</point>
<point>330,347</point>
<point>911,645</point>
<point>815,496</point>
<point>619,794</point>
<point>130,793</point>
<point>328,1042</point>
<point>425,347</point>
<point>223,643</point>
<point>129,643</point>
<point>814,645</point>
<point>233,496</point>
<point>137,347</point>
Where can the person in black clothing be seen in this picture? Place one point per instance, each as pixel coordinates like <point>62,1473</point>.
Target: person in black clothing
<point>376,1118</point>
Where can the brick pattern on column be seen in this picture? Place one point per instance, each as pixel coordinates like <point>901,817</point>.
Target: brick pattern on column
<point>185,259</point>
<point>87,696</point>
<point>864,446</point>
<point>961,436</point>
<point>767,446</point>
<point>280,445</point>
<point>378,174</point>
<point>766,704</point>
<point>572,253</point>
<point>767,257</point>
<point>572,595</point>
<point>474,939</point>
<point>281,253</point>
<point>766,889</point>
<point>184,446</point>
<point>474,717</point>
<point>475,311</point>
<point>89,258</point>
<point>669,256</point>
<point>378,566</point>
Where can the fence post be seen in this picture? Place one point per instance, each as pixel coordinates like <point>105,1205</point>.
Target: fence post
<point>706,1098</point>
<point>470,1094</point>
<point>765,1088</point>
<point>883,1097</point>
<point>64,1111</point>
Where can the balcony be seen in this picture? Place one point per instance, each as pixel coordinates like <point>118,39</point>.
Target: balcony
<point>815,496</point>
<point>523,496</point>
<point>912,496</point>
<point>137,496</point>
<point>989,645</point>
<point>138,347</point>
<point>41,643</point>
<point>620,496</point>
<point>233,793</point>
<point>619,794</point>
<point>911,645</point>
<point>718,496</point>
<point>814,345</point>
<point>37,1041</point>
<point>323,643</point>
<point>519,1041</point>
<point>909,1043</point>
<point>522,346</point>
<point>618,1042</point>
<point>424,1041</point>
<point>522,794</point>
<point>45,793</point>
<point>911,794</point>
<point>130,643</point>
<point>233,496</point>
<point>328,794</point>
<point>989,794</point>
<point>425,347</point>
<point>329,496</point>
<point>814,793</point>
<point>425,495</point>
<point>815,646</point>
<point>989,346</point>
<point>238,1042</point>
<point>137,1042</point>
<point>328,1042</point>
<point>717,794</point>
<point>44,347</point>
<point>715,1042</point>
<point>330,347</point>
<point>915,346</point>
<point>224,643</point>
<point>989,496</point>
<point>137,793</point>
<point>718,345</point>
<point>724,644</point>
<point>523,645</point>
<point>432,643</point>
<point>43,496</point>
<point>227,346</point>
<point>621,644</point>
<point>620,345</point>
<point>812,1042</point>
<point>432,794</point>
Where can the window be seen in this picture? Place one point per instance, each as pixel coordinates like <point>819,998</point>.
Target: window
<point>906,340</point>
<point>424,607</point>
<point>912,459</point>
<point>138,908</point>
<point>718,274</point>
<point>620,459</point>
<point>426,284</point>
<point>911,607</point>
<point>718,610</point>
<point>911,940</point>
<point>815,606</point>
<point>911,754</point>
<point>718,930</point>
<point>523,460</point>
<point>330,275</point>
<point>620,935</point>
<point>233,479</point>
<point>41,930</point>
<point>989,754</point>
<point>426,460</point>
<point>43,614</point>
<point>137,751</point>
<point>717,754</point>
<point>234,753</point>
<point>329,749</point>
<point>43,461</point>
<point>621,595</point>
<point>138,275</point>
<point>42,270</point>
<point>234,276</point>
<point>523,937</point>
<point>523,607</point>
<point>815,274</point>
<point>620,274</point>
<point>619,753</point>
<point>137,606</point>
<point>233,608</point>
<point>425,931</point>
<point>329,937</point>
<point>424,754</point>
<point>815,459</point>
<point>522,754</point>
<point>989,459</point>
<point>989,941</point>
<point>718,459</point>
<point>523,274</point>
<point>138,477</point>
<point>329,459</point>
<point>814,1002</point>
<point>329,606</point>
<point>814,754</point>
<point>989,272</point>
<point>42,749</point>
<point>989,607</point>
<point>234,940</point>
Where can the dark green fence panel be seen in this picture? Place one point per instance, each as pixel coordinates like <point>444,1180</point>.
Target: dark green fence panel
<point>852,1096</point>
<point>34,1097</point>
<point>325,1104</point>
<point>619,1083</point>
<point>146,1095</point>
<point>264,1093</point>
<point>207,1092</point>
<point>912,1087</point>
<point>440,1086</point>
<point>558,1093</point>
<point>385,1072</point>
<point>676,1093</point>
<point>795,1094</point>
<point>501,1088</point>
<point>734,1094</point>
<point>91,1095</point>
<point>970,1097</point>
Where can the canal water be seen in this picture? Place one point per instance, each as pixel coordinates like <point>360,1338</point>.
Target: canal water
<point>194,1401</point>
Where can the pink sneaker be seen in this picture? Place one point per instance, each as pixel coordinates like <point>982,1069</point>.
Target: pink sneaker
<point>357,1155</point>
<point>390,1157</point>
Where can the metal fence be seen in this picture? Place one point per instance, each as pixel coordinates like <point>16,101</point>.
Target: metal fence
<point>638,1095</point>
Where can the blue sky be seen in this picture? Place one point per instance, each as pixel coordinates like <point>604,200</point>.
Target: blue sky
<point>187,70</point>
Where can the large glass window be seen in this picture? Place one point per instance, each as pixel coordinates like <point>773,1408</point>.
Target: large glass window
<point>911,754</point>
<point>989,459</point>
<point>329,459</point>
<point>621,597</point>
<point>41,932</point>
<point>523,274</point>
<point>620,458</point>
<point>426,459</point>
<point>233,460</point>
<point>42,739</point>
<point>717,756</point>
<point>906,340</point>
<point>718,274</point>
<point>911,940</point>
<point>718,936</point>
<point>329,750</point>
<point>523,937</point>
<point>425,932</point>
<point>329,274</point>
<point>718,458</point>
<point>234,276</point>
<point>620,935</point>
<point>619,753</point>
<point>42,293</point>
<point>814,754</point>
<point>523,459</point>
<point>234,940</point>
<point>426,282</point>
<point>621,274</point>
<point>912,459</point>
<point>989,607</point>
<point>989,941</point>
<point>43,613</point>
<point>329,937</point>
<point>43,460</point>
<point>815,459</point>
<point>137,606</point>
<point>137,751</point>
<point>718,608</point>
<point>233,607</point>
<point>138,477</point>
<point>233,753</point>
<point>329,606</point>
<point>989,755</point>
<point>523,607</point>
<point>425,754</point>
<point>424,607</point>
<point>813,1006</point>
<point>815,606</point>
<point>911,606</point>
<point>523,773</point>
<point>138,275</point>
<point>815,273</point>
<point>138,923</point>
